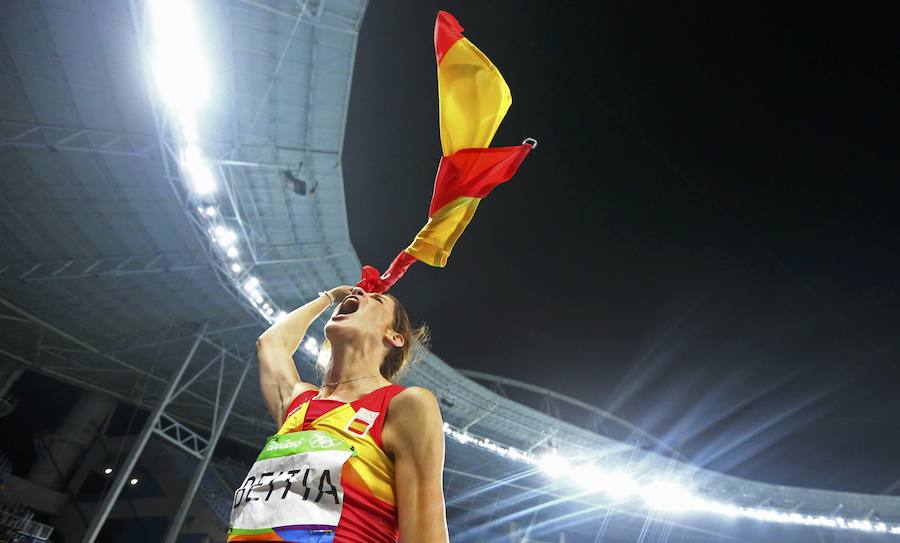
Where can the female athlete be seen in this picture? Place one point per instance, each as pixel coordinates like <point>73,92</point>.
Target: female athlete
<point>357,460</point>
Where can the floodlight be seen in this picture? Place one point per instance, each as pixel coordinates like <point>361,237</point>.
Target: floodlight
<point>225,237</point>
<point>200,176</point>
<point>179,67</point>
<point>188,127</point>
<point>322,361</point>
<point>311,346</point>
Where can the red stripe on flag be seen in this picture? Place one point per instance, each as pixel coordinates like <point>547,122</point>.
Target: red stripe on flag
<point>474,173</point>
<point>447,31</point>
<point>372,280</point>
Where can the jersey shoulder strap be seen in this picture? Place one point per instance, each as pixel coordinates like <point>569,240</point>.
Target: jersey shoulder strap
<point>372,409</point>
<point>295,404</point>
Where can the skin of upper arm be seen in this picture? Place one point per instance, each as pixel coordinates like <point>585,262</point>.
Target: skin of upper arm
<point>279,381</point>
<point>414,434</point>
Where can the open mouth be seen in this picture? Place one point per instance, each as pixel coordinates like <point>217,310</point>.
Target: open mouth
<point>348,306</point>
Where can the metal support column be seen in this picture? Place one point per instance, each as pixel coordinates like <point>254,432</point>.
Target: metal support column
<point>125,470</point>
<point>10,371</point>
<point>181,514</point>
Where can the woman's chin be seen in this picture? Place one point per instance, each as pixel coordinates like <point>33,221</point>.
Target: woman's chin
<point>338,329</point>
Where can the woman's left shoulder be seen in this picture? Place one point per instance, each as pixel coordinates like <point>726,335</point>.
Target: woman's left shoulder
<point>414,413</point>
<point>414,397</point>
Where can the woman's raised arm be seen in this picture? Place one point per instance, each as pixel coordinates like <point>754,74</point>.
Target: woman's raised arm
<point>278,378</point>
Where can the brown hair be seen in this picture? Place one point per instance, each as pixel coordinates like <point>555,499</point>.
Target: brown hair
<point>415,342</point>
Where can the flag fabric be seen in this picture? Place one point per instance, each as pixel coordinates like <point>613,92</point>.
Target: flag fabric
<point>473,100</point>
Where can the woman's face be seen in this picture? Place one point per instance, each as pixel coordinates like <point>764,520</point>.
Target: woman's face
<point>361,315</point>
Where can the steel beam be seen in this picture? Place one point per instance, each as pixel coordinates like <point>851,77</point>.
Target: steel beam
<point>218,358</point>
<point>180,435</point>
<point>295,16</point>
<point>249,440</point>
<point>10,371</point>
<point>232,198</point>
<point>112,495</point>
<point>160,336</point>
<point>114,266</point>
<point>84,139</point>
<point>191,491</point>
<point>299,260</point>
<point>77,139</point>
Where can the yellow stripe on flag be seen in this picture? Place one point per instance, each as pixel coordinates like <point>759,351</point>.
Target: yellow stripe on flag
<point>435,240</point>
<point>473,98</point>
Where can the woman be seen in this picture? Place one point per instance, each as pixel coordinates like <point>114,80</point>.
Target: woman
<point>358,460</point>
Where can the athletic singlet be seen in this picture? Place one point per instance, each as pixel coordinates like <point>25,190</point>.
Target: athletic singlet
<point>323,478</point>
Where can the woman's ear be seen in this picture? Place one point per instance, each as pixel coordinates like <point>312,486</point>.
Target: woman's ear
<point>395,338</point>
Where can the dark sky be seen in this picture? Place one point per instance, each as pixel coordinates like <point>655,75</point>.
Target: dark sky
<point>704,241</point>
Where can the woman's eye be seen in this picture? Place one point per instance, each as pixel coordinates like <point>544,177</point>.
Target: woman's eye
<point>379,299</point>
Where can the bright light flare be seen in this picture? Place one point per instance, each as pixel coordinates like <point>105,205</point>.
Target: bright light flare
<point>615,484</point>
<point>311,346</point>
<point>251,284</point>
<point>554,465</point>
<point>590,477</point>
<point>201,177</point>
<point>224,236</point>
<point>178,64</point>
<point>667,496</point>
<point>661,495</point>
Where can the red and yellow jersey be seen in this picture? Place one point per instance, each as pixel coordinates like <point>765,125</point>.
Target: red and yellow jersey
<point>362,498</point>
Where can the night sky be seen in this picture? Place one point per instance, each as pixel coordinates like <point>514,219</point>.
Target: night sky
<point>704,241</point>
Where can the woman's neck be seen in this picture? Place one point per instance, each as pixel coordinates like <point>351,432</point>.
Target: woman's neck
<point>352,371</point>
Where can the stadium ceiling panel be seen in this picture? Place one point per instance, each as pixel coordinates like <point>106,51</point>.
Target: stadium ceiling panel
<point>96,246</point>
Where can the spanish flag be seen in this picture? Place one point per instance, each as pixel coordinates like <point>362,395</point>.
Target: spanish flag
<point>473,99</point>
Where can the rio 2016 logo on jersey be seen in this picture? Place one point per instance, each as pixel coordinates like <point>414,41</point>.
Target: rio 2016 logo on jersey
<point>361,422</point>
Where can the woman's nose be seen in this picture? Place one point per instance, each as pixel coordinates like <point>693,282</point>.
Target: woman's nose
<point>358,291</point>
